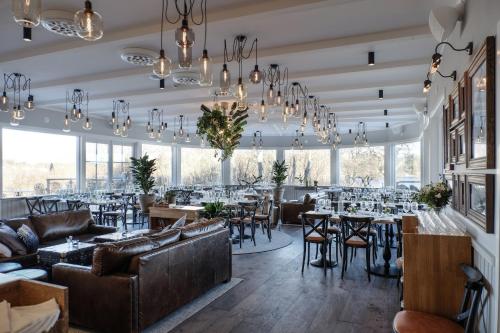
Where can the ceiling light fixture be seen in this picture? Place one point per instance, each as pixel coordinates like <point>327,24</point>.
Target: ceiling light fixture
<point>386,125</point>
<point>297,142</point>
<point>257,144</point>
<point>437,57</point>
<point>27,14</point>
<point>361,139</point>
<point>385,112</point>
<point>88,23</point>
<point>162,66</point>
<point>155,126</point>
<point>428,82</point>
<point>17,83</point>
<point>371,58</point>
<point>120,118</point>
<point>181,133</point>
<point>381,94</point>
<point>77,100</point>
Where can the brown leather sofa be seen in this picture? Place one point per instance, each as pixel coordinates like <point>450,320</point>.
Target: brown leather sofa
<point>53,229</point>
<point>133,284</point>
<point>290,211</point>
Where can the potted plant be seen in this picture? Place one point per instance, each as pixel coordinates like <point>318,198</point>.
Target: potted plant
<point>142,169</point>
<point>214,209</point>
<point>170,196</point>
<point>435,195</point>
<point>280,174</point>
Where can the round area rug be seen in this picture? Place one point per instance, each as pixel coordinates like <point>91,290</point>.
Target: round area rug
<point>279,240</point>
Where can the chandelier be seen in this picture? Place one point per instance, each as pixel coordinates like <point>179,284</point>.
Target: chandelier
<point>274,79</point>
<point>257,142</point>
<point>120,118</point>
<point>181,133</point>
<point>239,90</point>
<point>297,141</point>
<point>17,83</point>
<point>77,101</point>
<point>184,38</point>
<point>156,126</point>
<point>296,98</point>
<point>361,139</point>
<point>27,14</point>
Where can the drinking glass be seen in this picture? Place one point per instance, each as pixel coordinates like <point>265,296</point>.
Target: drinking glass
<point>406,207</point>
<point>370,205</point>
<point>414,206</point>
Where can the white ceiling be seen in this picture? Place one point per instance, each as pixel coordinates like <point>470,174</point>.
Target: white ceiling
<point>324,44</point>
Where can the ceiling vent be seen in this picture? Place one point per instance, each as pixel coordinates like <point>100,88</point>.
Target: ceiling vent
<point>139,56</point>
<point>59,22</point>
<point>185,77</point>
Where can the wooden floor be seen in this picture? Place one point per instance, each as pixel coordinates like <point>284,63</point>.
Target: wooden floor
<point>276,297</point>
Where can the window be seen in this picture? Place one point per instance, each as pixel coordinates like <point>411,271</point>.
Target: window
<point>249,166</point>
<point>408,165</point>
<point>362,167</point>
<point>307,166</point>
<point>96,166</point>
<point>38,163</point>
<point>163,156</point>
<point>122,178</point>
<point>199,166</point>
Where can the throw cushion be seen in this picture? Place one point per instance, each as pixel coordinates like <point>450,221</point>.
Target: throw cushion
<point>115,257</point>
<point>5,252</point>
<point>9,238</point>
<point>179,223</point>
<point>307,198</point>
<point>166,236</point>
<point>60,225</point>
<point>197,229</point>
<point>29,238</point>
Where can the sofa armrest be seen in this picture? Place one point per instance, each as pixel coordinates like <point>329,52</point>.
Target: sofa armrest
<point>104,303</point>
<point>101,229</point>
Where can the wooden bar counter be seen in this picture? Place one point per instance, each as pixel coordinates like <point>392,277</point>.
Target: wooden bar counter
<point>160,216</point>
<point>433,249</point>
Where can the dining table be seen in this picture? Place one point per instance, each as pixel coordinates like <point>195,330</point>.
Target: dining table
<point>387,269</point>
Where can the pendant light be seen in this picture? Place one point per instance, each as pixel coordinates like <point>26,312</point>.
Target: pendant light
<point>184,38</point>
<point>88,23</point>
<point>17,84</point>
<point>27,15</point>
<point>162,66</point>
<point>87,125</point>
<point>255,74</point>
<point>371,58</point>
<point>120,118</point>
<point>205,62</point>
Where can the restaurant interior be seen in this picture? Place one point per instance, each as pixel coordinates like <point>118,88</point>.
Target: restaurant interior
<point>249,166</point>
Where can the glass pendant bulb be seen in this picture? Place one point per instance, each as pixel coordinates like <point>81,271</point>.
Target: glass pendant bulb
<point>116,130</point>
<point>13,120</point>
<point>148,127</point>
<point>19,113</point>
<point>4,102</point>
<point>225,79</point>
<point>88,23</point>
<point>206,76</point>
<point>129,122</point>
<point>271,96</point>
<point>29,105</point>
<point>27,14</point>
<point>79,114</point>
<point>185,57</point>
<point>241,94</point>
<point>188,138</point>
<point>279,99</point>
<point>255,75</point>
<point>87,125</point>
<point>158,136</point>
<point>152,133</point>
<point>124,130</point>
<point>162,66</point>
<point>184,36</point>
<point>113,118</point>
<point>66,125</point>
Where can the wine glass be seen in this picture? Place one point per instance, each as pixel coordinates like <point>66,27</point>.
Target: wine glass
<point>406,207</point>
<point>414,206</point>
<point>370,205</point>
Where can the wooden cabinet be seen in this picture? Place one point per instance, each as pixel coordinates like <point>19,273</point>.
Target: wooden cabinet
<point>433,252</point>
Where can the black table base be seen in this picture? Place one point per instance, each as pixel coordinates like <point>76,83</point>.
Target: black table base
<point>320,263</point>
<point>391,272</point>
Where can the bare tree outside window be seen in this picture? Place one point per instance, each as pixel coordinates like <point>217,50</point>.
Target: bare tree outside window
<point>250,166</point>
<point>163,156</point>
<point>307,166</point>
<point>362,167</point>
<point>408,165</point>
<point>199,166</point>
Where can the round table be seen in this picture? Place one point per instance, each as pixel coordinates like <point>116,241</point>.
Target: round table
<point>6,267</point>
<point>30,274</point>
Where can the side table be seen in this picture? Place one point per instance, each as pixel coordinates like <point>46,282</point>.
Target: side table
<point>78,255</point>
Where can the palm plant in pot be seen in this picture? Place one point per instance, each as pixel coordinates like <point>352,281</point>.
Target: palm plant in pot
<point>280,174</point>
<point>142,169</point>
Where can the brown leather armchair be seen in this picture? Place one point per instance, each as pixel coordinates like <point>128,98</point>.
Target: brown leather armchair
<point>290,211</point>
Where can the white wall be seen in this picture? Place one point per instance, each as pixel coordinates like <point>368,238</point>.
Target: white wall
<point>481,20</point>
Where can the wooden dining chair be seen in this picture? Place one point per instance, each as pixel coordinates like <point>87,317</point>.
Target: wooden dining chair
<point>247,217</point>
<point>314,230</point>
<point>263,218</point>
<point>356,235</point>
<point>34,205</point>
<point>420,322</point>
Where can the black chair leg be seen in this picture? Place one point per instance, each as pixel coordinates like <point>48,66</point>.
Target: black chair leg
<point>368,262</point>
<point>337,247</point>
<point>303,257</point>
<point>308,253</point>
<point>316,255</point>
<point>242,232</point>
<point>344,262</point>
<point>253,234</point>
<point>325,248</point>
<point>330,251</point>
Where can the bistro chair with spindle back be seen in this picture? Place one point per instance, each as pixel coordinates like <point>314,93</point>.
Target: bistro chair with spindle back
<point>356,235</point>
<point>247,217</point>
<point>263,217</point>
<point>314,230</point>
<point>465,322</point>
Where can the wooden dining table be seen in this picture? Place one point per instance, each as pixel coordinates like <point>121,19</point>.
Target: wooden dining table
<point>387,269</point>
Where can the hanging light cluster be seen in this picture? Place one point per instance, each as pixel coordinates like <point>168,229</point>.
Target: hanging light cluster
<point>257,142</point>
<point>156,126</point>
<point>297,141</point>
<point>15,84</point>
<point>181,133</point>
<point>361,138</point>
<point>273,79</point>
<point>238,90</point>
<point>184,38</point>
<point>120,118</point>
<point>325,126</point>
<point>27,13</point>
<point>75,102</point>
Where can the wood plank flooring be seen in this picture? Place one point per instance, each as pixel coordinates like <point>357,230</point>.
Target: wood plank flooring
<point>275,297</point>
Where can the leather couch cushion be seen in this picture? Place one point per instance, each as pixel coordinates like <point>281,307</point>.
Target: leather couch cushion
<point>60,225</point>
<point>202,228</point>
<point>166,236</point>
<point>9,238</point>
<point>16,223</point>
<point>115,257</point>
